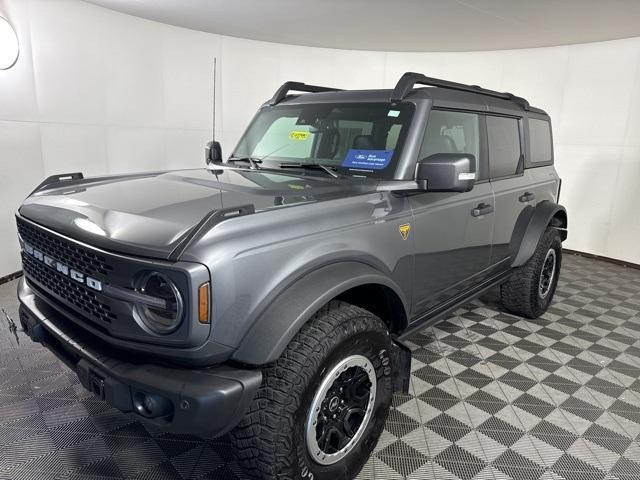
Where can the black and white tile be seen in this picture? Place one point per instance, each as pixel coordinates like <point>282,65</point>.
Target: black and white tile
<point>493,396</point>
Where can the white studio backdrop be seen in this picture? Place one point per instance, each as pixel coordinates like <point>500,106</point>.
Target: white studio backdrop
<point>100,92</point>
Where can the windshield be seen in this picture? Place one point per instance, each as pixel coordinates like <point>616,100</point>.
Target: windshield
<point>362,139</point>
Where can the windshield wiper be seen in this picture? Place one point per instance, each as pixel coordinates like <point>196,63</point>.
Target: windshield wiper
<point>253,162</point>
<point>311,166</point>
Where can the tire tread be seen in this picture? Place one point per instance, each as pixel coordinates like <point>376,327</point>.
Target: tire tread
<point>519,294</point>
<point>262,440</point>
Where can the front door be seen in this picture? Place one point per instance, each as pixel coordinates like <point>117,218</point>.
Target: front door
<point>452,231</point>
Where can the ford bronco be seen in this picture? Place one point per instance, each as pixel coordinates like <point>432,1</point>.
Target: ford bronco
<point>268,294</point>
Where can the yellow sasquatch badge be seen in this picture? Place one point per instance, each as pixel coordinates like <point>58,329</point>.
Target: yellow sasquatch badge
<point>404,230</point>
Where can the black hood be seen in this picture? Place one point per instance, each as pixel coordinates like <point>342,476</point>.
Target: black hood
<point>149,214</point>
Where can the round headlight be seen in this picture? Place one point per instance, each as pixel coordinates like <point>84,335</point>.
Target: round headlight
<point>160,319</point>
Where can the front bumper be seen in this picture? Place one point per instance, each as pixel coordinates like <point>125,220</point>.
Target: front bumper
<point>179,400</point>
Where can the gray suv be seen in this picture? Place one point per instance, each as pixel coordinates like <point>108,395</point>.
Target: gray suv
<point>268,294</point>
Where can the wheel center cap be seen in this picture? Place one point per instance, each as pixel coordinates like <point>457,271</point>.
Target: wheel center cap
<point>333,404</point>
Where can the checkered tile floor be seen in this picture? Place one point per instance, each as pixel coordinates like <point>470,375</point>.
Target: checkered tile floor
<point>493,396</point>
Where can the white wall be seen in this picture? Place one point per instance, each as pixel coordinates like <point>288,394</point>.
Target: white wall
<point>100,91</point>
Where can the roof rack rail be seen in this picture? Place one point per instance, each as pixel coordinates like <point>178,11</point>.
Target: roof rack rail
<point>287,87</point>
<point>409,79</point>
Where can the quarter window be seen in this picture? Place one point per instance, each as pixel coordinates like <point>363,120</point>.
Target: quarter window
<point>504,146</point>
<point>540,139</point>
<point>451,132</point>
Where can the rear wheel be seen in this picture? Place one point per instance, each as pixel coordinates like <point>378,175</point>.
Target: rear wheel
<point>530,289</point>
<point>322,405</point>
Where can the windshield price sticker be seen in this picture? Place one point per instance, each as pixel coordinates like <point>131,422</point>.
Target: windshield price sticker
<point>367,159</point>
<point>296,135</point>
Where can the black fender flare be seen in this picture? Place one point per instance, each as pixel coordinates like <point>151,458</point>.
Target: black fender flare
<point>291,309</point>
<point>530,227</point>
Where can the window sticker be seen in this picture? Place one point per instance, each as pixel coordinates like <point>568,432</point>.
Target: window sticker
<point>297,135</point>
<point>367,159</point>
<point>393,113</point>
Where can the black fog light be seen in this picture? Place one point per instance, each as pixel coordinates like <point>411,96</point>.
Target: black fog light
<point>150,405</point>
<point>167,316</point>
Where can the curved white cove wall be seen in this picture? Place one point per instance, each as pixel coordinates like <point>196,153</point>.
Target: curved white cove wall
<point>99,91</point>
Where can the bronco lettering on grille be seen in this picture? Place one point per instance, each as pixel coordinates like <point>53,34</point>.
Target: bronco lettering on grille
<point>65,270</point>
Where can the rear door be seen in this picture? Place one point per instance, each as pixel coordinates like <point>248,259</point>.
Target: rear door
<point>505,137</point>
<point>452,236</point>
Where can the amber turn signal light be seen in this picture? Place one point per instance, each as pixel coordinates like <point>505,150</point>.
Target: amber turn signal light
<point>203,303</point>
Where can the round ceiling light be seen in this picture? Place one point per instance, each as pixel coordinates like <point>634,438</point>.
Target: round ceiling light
<point>9,48</point>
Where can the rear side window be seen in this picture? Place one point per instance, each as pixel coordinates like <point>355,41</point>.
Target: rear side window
<point>504,146</point>
<point>451,132</point>
<point>540,141</point>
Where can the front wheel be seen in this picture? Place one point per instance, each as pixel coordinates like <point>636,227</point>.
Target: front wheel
<point>530,289</point>
<point>322,405</point>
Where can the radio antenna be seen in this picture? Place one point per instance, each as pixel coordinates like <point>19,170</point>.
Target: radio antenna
<point>213,136</point>
<point>212,151</point>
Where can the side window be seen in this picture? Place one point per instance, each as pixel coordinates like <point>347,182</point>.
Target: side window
<point>540,141</point>
<point>504,146</point>
<point>451,132</point>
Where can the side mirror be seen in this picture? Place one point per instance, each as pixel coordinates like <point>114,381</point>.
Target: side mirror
<point>446,172</point>
<point>213,152</point>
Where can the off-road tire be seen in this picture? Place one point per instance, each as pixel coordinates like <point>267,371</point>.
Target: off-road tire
<point>270,440</point>
<point>520,294</point>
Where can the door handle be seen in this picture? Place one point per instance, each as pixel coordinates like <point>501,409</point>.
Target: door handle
<point>527,197</point>
<point>481,209</point>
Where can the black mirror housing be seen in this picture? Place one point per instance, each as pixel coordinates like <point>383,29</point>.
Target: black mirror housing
<point>446,172</point>
<point>213,152</point>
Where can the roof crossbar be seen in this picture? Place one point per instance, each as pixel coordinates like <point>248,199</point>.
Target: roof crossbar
<point>409,79</point>
<point>287,87</point>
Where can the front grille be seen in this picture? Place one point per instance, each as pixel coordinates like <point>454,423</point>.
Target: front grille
<point>59,287</point>
<point>78,279</point>
<point>72,293</point>
<point>75,256</point>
